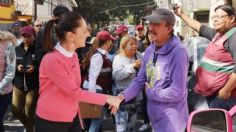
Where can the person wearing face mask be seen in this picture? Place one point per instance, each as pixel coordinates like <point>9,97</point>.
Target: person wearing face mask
<point>26,82</point>
<point>125,67</point>
<point>163,75</point>
<point>216,75</point>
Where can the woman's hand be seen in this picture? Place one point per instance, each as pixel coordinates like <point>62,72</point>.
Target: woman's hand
<point>114,103</point>
<point>137,63</point>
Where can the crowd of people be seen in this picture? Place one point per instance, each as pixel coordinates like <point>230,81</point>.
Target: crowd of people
<point>46,71</point>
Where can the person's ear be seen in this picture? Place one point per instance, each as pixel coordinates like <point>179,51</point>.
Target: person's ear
<point>232,19</point>
<point>69,36</point>
<point>170,28</point>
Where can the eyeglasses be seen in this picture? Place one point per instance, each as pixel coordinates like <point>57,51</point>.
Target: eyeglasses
<point>218,17</point>
<point>38,25</point>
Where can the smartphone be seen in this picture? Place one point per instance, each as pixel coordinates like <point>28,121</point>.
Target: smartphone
<point>25,68</point>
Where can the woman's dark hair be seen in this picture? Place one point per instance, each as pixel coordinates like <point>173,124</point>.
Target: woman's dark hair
<point>92,50</point>
<point>227,8</point>
<point>68,22</point>
<point>146,40</point>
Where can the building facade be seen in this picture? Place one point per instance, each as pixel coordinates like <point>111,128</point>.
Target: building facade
<point>44,11</point>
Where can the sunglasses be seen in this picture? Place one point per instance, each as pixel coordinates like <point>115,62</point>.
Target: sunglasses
<point>38,25</point>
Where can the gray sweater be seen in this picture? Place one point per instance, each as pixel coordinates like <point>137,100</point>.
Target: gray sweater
<point>123,72</point>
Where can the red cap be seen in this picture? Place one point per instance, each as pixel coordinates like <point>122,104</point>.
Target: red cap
<point>138,27</point>
<point>28,30</point>
<point>104,35</point>
<point>121,29</point>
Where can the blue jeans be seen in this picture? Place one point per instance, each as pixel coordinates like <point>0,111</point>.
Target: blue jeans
<point>126,115</point>
<point>125,118</point>
<point>216,102</point>
<point>96,122</point>
<point>4,103</point>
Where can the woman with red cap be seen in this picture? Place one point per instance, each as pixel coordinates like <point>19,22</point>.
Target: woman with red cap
<point>26,83</point>
<point>99,70</point>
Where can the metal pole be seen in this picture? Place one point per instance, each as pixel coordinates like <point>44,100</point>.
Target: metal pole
<point>35,9</point>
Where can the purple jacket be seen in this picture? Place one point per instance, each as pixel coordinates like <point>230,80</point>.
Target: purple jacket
<point>167,96</point>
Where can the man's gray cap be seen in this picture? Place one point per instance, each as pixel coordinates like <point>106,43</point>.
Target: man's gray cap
<point>161,14</point>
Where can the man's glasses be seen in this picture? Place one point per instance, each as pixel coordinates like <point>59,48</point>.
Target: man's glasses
<point>38,25</point>
<point>218,17</point>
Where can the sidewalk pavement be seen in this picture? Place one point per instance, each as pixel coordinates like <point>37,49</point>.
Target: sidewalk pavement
<point>108,125</point>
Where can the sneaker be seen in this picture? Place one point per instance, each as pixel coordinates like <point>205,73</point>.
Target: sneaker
<point>144,127</point>
<point>12,118</point>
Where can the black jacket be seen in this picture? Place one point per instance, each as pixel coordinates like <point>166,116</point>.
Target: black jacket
<point>39,48</point>
<point>26,58</point>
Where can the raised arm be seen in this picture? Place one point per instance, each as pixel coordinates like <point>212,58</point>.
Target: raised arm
<point>194,24</point>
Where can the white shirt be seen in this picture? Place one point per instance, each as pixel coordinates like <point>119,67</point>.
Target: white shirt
<point>63,51</point>
<point>95,67</point>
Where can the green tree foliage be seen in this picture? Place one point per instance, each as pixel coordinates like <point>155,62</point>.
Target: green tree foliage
<point>102,12</point>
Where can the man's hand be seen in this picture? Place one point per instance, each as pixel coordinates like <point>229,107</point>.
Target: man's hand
<point>224,94</point>
<point>178,11</point>
<point>30,69</point>
<point>20,68</point>
<point>121,96</point>
<point>147,86</point>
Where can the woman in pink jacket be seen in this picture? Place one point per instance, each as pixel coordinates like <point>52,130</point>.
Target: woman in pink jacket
<point>60,79</point>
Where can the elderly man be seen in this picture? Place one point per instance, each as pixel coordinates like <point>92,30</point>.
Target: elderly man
<point>216,75</point>
<point>163,74</point>
<point>37,25</point>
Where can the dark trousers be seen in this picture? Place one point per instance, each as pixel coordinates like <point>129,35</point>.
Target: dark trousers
<point>23,106</point>
<point>144,107</point>
<point>42,125</point>
<point>216,102</point>
<point>4,102</point>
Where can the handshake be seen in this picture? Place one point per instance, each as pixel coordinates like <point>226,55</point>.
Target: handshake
<point>114,102</point>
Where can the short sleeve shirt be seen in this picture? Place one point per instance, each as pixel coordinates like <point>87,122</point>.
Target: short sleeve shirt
<point>229,44</point>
